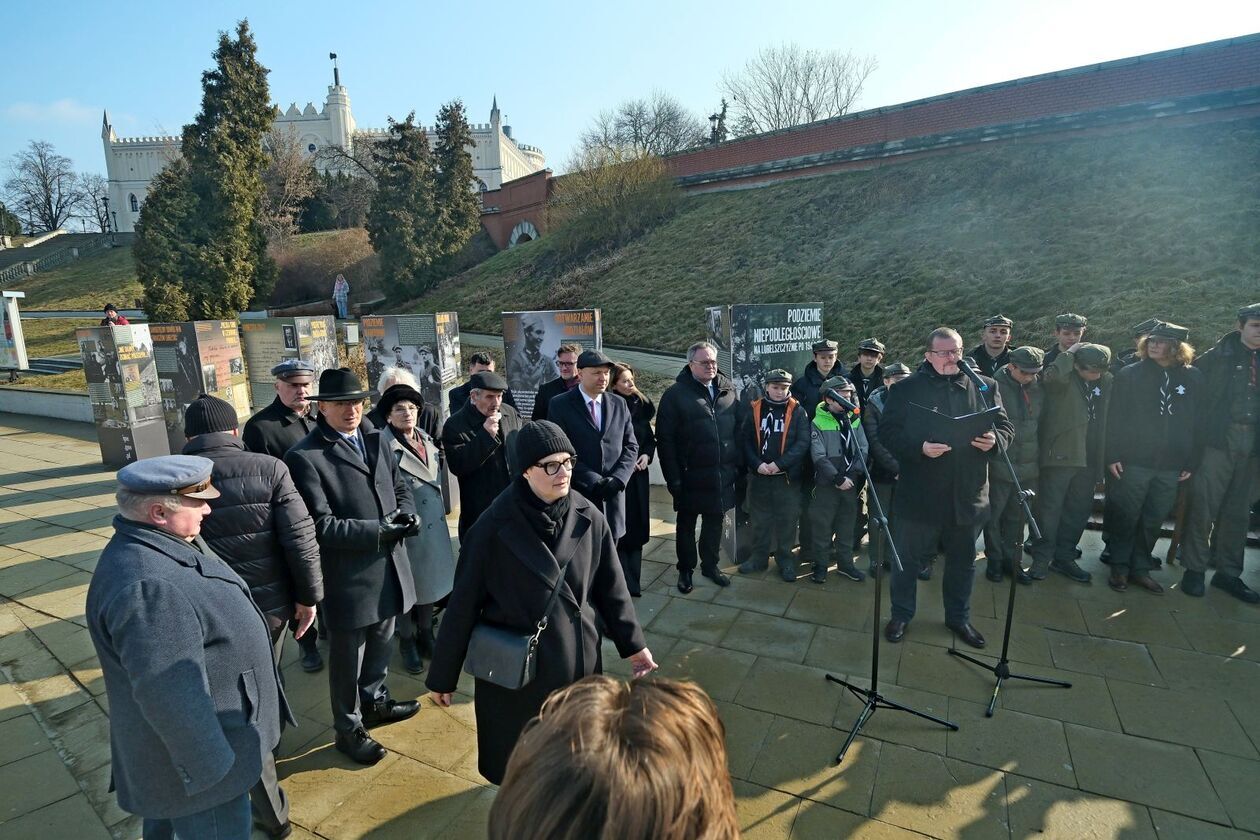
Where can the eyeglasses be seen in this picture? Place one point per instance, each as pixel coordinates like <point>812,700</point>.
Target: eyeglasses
<point>553,467</point>
<point>705,362</point>
<point>947,354</point>
<point>566,364</point>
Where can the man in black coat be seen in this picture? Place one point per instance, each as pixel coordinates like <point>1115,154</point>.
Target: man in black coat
<point>478,446</point>
<point>363,510</point>
<point>566,363</point>
<point>259,525</point>
<point>942,496</point>
<point>457,398</point>
<point>695,439</point>
<point>275,429</point>
<point>598,425</point>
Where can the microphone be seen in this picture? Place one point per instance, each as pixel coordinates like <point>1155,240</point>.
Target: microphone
<point>964,365</point>
<point>833,394</point>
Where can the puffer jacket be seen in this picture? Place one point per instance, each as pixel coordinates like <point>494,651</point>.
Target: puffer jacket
<point>695,443</point>
<point>259,525</point>
<point>825,447</point>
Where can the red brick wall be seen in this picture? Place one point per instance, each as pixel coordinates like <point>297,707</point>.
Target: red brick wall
<point>522,200</point>
<point>1219,66</point>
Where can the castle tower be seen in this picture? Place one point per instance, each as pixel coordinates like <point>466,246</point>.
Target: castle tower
<point>337,110</point>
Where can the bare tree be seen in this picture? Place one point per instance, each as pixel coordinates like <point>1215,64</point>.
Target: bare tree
<point>289,180</point>
<point>657,125</point>
<point>42,188</point>
<point>92,186</point>
<point>788,85</point>
<point>356,161</point>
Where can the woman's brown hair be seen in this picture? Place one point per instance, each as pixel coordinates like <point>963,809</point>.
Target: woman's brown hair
<point>618,369</point>
<point>1183,352</point>
<point>609,760</point>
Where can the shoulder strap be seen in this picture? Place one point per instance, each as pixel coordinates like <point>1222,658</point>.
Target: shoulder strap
<point>551,600</point>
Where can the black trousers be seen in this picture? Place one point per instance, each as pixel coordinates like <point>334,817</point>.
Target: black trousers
<point>917,543</point>
<point>358,661</point>
<point>710,540</point>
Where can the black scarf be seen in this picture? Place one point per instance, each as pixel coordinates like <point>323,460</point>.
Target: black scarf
<point>546,520</point>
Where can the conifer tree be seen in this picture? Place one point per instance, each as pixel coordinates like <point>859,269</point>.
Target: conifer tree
<point>459,204</point>
<point>403,222</point>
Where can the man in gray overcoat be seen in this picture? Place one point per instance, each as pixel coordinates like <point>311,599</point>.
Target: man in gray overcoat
<point>194,696</point>
<point>363,510</point>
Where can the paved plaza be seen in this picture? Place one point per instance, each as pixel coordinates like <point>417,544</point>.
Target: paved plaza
<point>1158,737</point>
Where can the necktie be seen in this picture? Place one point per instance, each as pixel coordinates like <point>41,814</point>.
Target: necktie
<point>590,404</point>
<point>358,447</point>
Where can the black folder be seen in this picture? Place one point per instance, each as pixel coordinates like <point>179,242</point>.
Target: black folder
<point>955,431</point>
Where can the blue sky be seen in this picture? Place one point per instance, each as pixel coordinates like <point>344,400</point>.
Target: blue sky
<point>551,64</point>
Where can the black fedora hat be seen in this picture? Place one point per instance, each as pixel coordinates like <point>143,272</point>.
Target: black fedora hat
<point>395,394</point>
<point>339,385</point>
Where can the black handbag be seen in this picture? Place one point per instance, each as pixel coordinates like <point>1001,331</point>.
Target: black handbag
<point>504,656</point>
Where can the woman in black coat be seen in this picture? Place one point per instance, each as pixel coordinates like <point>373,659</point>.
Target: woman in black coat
<point>508,566</point>
<point>638,491</point>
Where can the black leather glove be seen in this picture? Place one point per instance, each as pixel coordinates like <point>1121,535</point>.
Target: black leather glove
<point>413,525</point>
<point>391,530</point>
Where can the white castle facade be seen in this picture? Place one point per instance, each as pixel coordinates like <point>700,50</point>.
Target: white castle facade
<point>133,162</point>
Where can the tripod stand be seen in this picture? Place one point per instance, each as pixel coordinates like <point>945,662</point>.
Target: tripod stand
<point>1002,670</point>
<point>872,700</point>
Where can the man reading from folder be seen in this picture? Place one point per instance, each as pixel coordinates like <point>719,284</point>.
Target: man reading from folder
<point>942,497</point>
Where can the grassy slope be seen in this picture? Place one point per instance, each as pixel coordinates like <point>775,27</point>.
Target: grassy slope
<point>89,283</point>
<point>1163,222</point>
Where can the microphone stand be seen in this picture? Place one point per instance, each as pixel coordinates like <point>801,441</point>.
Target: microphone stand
<point>1002,670</point>
<point>872,700</point>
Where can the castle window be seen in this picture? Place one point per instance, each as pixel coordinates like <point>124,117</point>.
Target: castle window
<point>310,147</point>
<point>135,205</point>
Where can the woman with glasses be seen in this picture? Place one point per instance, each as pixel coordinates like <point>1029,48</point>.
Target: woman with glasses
<point>430,554</point>
<point>509,563</point>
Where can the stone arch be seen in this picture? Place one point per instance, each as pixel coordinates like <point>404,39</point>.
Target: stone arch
<point>523,232</point>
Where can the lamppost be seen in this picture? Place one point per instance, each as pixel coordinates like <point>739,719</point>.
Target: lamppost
<point>105,204</point>
<point>113,231</point>
<point>713,128</point>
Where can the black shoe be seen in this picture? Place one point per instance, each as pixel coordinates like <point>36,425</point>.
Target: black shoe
<point>1146,582</point>
<point>1234,586</point>
<point>275,833</point>
<point>311,660</point>
<point>410,656</point>
<point>1156,563</point>
<point>1192,583</point>
<point>390,711</point>
<point>851,571</point>
<point>716,576</point>
<point>684,581</point>
<point>1023,577</point>
<point>360,746</point>
<point>1069,569</point>
<point>750,567</point>
<point>968,634</point>
<point>895,630</point>
<point>993,572</point>
<point>819,574</point>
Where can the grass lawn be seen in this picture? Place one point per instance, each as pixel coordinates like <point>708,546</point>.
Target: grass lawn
<point>52,336</point>
<point>1163,221</point>
<point>89,283</point>
<point>72,380</point>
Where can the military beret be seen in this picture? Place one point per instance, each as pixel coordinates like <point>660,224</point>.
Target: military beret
<point>839,383</point>
<point>1070,319</point>
<point>170,475</point>
<point>293,367</point>
<point>826,345</point>
<point>1093,356</point>
<point>1028,359</point>
<point>1170,332</point>
<point>778,375</point>
<point>593,358</point>
<point>487,380</point>
<point>896,369</point>
<point>871,344</point>
<point>1252,311</point>
<point>1145,327</point>
<point>998,321</point>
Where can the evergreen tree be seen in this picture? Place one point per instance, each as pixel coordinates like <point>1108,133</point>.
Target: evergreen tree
<point>205,257</point>
<point>10,225</point>
<point>403,220</point>
<point>459,205</point>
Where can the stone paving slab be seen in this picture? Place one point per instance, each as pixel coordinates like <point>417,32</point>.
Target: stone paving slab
<point>1158,737</point>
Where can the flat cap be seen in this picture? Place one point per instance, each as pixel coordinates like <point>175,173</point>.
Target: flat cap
<point>170,475</point>
<point>778,375</point>
<point>593,358</point>
<point>290,368</point>
<point>1171,332</point>
<point>826,346</point>
<point>487,380</point>
<point>998,321</point>
<point>839,383</point>
<point>896,369</point>
<point>1145,327</point>
<point>1252,311</point>
<point>1070,319</point>
<point>1028,359</point>
<point>1093,356</point>
<point>871,344</point>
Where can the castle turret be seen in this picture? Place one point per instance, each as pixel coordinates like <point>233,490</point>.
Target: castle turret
<point>340,119</point>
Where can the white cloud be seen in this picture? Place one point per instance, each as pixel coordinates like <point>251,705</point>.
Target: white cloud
<point>61,111</point>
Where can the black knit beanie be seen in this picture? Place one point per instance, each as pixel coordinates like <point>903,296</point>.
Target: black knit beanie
<point>208,414</point>
<point>539,438</point>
